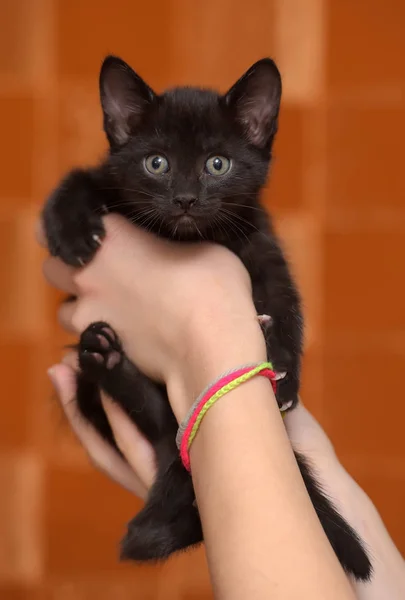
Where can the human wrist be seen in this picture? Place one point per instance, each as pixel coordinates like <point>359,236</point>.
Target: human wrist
<point>217,342</point>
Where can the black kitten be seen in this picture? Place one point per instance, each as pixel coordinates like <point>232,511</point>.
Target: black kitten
<point>188,165</point>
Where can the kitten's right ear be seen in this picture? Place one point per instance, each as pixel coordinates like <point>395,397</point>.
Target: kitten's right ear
<point>125,98</point>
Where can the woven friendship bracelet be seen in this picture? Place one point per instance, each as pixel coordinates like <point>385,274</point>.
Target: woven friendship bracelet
<point>221,386</point>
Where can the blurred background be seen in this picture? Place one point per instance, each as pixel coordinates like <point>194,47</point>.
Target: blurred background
<point>337,194</point>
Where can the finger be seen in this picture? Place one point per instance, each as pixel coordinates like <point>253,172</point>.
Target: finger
<point>40,233</point>
<point>59,275</point>
<point>136,449</point>
<point>130,441</point>
<point>66,312</point>
<point>306,434</point>
<point>71,360</point>
<point>100,452</point>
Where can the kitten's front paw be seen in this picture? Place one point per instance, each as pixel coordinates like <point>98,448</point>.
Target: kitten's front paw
<point>73,227</point>
<point>99,350</point>
<point>287,392</point>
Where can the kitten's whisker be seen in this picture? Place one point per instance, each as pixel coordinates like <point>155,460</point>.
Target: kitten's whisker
<point>228,226</point>
<point>199,232</point>
<point>218,223</point>
<point>132,190</point>
<point>136,191</point>
<point>258,208</point>
<point>140,219</point>
<point>157,220</point>
<point>235,226</point>
<point>148,211</point>
<point>123,204</point>
<point>147,220</point>
<point>242,219</point>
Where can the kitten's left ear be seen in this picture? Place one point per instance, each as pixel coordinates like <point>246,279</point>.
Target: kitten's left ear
<point>125,98</point>
<point>255,98</point>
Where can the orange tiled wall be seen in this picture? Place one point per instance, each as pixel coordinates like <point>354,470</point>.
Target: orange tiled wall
<point>338,197</point>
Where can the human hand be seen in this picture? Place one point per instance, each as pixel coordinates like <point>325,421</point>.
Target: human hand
<point>166,302</point>
<point>137,472</point>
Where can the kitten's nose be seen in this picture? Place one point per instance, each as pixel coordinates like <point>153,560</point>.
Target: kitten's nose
<point>185,202</point>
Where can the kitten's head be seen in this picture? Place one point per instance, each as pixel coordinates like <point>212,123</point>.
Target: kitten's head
<point>190,162</point>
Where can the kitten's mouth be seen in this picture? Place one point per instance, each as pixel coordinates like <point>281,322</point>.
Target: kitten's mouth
<point>186,225</point>
<point>186,221</point>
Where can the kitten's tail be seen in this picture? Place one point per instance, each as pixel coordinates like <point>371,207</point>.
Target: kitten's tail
<point>169,522</point>
<point>346,543</point>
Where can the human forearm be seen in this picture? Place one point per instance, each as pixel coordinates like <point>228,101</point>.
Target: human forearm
<point>262,535</point>
<point>388,576</point>
<point>388,580</point>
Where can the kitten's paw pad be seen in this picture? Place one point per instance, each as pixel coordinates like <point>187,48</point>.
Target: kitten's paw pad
<point>99,349</point>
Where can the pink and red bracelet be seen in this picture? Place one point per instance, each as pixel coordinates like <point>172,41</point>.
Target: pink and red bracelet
<point>221,386</point>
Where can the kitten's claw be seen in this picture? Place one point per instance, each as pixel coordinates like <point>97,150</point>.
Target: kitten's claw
<point>286,405</point>
<point>264,320</point>
<point>80,261</point>
<point>280,375</point>
<point>97,239</point>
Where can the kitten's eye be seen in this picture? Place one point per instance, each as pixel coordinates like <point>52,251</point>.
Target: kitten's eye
<point>218,165</point>
<point>156,164</point>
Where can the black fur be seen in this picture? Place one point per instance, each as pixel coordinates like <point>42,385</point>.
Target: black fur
<point>186,202</point>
